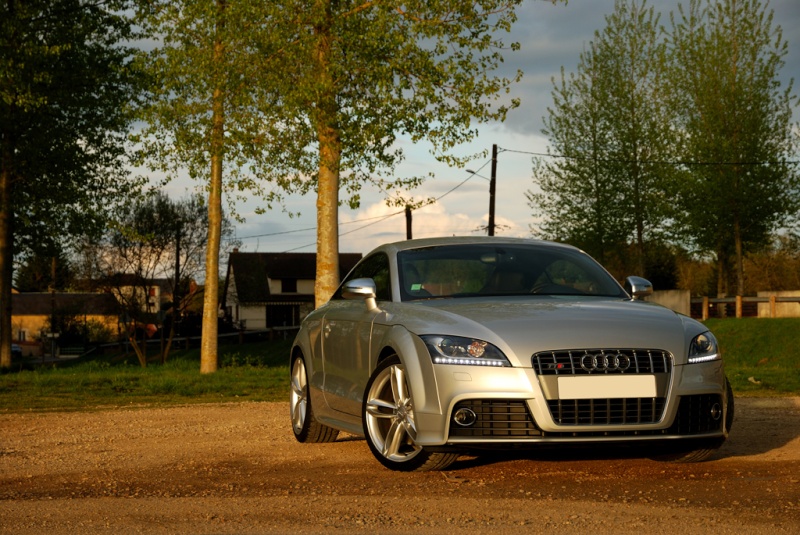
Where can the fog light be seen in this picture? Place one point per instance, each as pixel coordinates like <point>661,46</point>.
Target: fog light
<point>465,417</point>
<point>716,411</point>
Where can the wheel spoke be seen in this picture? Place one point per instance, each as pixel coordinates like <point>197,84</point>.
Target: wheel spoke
<point>381,409</point>
<point>299,413</point>
<point>297,389</point>
<point>411,428</point>
<point>299,400</point>
<point>395,438</point>
<point>398,380</point>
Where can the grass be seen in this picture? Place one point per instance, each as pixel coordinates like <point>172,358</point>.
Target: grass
<point>250,372</point>
<point>760,360</point>
<point>760,354</point>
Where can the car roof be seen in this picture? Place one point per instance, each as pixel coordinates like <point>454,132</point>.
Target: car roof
<point>395,247</point>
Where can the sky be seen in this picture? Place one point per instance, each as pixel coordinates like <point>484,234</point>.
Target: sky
<point>550,36</point>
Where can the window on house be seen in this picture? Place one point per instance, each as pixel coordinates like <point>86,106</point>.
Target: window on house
<point>289,286</point>
<point>282,315</point>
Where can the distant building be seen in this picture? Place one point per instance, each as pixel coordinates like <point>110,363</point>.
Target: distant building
<point>150,294</point>
<point>31,314</point>
<point>265,290</point>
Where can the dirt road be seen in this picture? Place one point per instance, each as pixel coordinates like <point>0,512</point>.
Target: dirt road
<point>236,468</point>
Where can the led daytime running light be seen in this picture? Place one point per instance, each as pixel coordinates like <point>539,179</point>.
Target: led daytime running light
<point>468,362</point>
<point>703,358</point>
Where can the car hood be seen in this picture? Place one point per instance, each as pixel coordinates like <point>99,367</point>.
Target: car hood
<point>522,326</point>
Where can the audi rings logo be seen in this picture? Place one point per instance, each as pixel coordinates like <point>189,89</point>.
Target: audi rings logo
<point>605,363</point>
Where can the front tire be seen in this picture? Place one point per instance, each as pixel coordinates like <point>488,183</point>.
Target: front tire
<point>389,424</point>
<point>305,426</point>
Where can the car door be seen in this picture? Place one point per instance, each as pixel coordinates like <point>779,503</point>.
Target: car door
<point>346,338</point>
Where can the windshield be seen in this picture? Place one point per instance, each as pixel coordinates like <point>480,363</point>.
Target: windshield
<point>475,269</point>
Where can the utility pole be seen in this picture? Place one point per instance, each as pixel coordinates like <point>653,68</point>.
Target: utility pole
<point>492,183</point>
<point>408,222</point>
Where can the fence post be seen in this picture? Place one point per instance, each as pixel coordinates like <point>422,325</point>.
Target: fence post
<point>738,306</point>
<point>705,308</point>
<point>773,306</point>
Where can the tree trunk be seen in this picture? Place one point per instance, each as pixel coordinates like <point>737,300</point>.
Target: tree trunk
<point>737,240</point>
<point>330,152</point>
<point>6,250</point>
<point>327,223</point>
<point>209,360</point>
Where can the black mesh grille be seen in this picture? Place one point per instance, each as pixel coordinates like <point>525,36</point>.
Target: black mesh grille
<point>695,415</point>
<point>602,361</point>
<point>621,411</point>
<point>496,419</point>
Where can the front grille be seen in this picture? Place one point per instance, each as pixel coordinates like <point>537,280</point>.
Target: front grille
<point>496,419</point>
<point>620,411</point>
<point>694,415</point>
<point>602,361</point>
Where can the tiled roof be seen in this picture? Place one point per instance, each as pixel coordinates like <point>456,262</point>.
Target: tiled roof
<point>251,271</point>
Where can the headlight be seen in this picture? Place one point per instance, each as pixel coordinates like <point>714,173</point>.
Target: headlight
<point>703,348</point>
<point>463,351</point>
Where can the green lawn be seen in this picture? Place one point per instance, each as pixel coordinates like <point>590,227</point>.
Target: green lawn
<point>760,360</point>
<point>249,372</point>
<point>761,357</point>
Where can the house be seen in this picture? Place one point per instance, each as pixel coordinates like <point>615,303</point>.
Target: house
<point>149,295</point>
<point>32,313</point>
<point>266,290</point>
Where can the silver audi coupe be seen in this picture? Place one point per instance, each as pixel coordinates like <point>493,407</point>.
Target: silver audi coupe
<point>435,347</point>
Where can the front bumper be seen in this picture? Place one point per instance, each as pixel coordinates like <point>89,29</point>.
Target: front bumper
<point>512,406</point>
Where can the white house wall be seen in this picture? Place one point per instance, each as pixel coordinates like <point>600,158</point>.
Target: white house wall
<point>255,317</point>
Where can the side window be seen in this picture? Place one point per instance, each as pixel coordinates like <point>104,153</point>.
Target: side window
<point>375,267</point>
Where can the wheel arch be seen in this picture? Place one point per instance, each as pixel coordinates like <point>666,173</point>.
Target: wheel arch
<point>413,354</point>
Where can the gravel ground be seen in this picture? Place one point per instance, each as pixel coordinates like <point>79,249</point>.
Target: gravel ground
<point>236,468</point>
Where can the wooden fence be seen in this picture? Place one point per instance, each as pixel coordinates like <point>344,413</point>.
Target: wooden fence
<point>738,306</point>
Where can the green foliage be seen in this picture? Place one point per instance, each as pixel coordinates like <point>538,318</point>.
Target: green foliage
<point>609,125</point>
<point>735,117</point>
<point>67,87</point>
<point>312,95</point>
<point>35,273</point>
<point>678,136</point>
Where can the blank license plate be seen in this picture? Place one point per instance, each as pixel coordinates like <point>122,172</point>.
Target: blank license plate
<point>607,386</point>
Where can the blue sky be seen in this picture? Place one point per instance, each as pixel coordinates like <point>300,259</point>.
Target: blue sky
<point>551,36</point>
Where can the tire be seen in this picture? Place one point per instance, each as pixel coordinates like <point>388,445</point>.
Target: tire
<point>703,450</point>
<point>305,426</point>
<point>389,425</point>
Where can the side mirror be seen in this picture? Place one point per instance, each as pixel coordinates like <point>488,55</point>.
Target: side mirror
<point>638,288</point>
<point>361,289</point>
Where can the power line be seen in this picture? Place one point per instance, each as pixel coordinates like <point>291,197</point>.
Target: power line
<point>379,218</point>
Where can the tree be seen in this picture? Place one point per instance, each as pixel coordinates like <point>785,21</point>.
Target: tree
<point>66,89</point>
<point>203,112</point>
<point>312,95</point>
<point>609,129</point>
<point>735,118</point>
<point>35,274</point>
<point>350,77</point>
<point>155,240</point>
